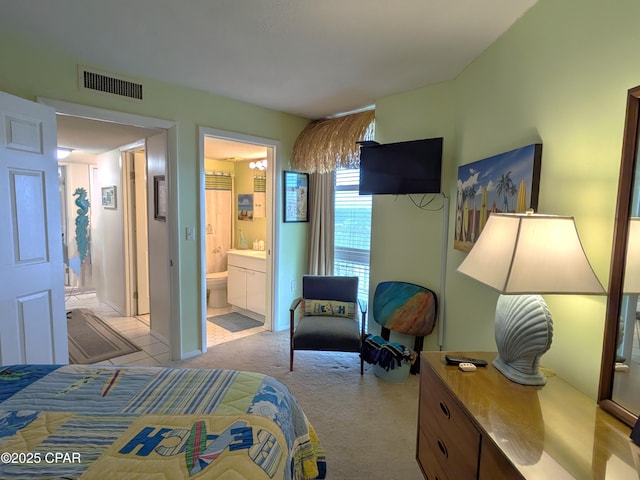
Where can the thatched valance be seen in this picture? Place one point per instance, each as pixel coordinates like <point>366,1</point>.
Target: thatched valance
<point>326,145</point>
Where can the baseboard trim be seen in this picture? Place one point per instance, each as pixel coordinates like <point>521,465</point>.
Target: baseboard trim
<point>191,354</point>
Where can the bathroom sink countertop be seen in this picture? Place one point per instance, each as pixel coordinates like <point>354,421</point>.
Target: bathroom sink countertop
<point>249,253</point>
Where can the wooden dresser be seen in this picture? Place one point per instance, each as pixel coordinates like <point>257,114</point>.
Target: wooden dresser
<point>480,425</point>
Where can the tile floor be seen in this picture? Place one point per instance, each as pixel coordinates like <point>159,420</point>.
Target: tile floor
<point>154,351</point>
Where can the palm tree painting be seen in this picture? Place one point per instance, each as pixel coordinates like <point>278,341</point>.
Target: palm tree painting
<point>505,183</point>
<point>506,188</point>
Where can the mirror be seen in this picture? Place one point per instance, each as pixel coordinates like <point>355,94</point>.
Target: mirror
<point>619,391</point>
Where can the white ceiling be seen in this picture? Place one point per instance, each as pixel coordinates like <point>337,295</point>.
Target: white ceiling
<point>95,136</point>
<point>221,149</point>
<point>309,58</point>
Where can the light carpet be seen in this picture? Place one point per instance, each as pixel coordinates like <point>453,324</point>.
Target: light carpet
<point>92,340</point>
<point>367,426</point>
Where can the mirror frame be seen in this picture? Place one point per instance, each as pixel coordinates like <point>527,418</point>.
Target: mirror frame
<point>618,257</point>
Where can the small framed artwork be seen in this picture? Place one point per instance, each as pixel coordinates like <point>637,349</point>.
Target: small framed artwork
<point>159,198</point>
<point>245,206</point>
<point>109,197</point>
<point>505,183</point>
<point>296,197</point>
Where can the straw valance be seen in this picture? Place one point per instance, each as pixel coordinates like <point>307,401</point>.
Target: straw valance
<point>326,145</point>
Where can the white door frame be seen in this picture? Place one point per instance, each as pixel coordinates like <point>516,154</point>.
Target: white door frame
<point>172,178</point>
<point>273,149</point>
<point>130,204</point>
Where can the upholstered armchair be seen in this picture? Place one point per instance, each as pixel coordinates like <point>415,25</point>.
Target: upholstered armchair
<point>328,316</point>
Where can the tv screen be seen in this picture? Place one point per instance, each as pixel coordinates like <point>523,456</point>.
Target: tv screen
<point>401,168</point>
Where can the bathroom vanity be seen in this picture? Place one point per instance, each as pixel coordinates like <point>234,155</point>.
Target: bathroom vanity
<point>246,283</point>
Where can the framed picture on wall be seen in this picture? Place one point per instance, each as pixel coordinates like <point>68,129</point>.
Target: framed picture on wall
<point>245,206</point>
<point>505,183</point>
<point>159,198</point>
<point>109,197</point>
<point>296,197</point>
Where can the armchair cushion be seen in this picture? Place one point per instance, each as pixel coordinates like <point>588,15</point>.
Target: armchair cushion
<point>339,334</point>
<point>329,307</point>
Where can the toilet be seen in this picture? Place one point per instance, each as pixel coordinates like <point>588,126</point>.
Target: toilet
<point>217,289</point>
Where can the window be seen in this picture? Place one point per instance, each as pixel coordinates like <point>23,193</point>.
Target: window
<point>352,229</point>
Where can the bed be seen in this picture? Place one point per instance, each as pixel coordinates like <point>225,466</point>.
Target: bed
<point>95,421</point>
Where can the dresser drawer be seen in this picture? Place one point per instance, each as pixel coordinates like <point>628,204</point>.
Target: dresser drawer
<point>452,440</point>
<point>427,459</point>
<point>493,464</point>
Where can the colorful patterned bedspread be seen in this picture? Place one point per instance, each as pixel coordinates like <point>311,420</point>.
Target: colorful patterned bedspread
<point>90,421</point>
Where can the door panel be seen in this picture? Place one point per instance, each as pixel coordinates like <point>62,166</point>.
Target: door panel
<point>237,286</point>
<point>256,287</point>
<point>28,210</point>
<point>33,324</point>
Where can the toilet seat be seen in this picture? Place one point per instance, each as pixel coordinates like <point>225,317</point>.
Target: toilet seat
<point>216,275</point>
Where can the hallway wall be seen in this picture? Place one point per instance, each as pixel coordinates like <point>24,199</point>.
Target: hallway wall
<point>160,260</point>
<point>108,233</point>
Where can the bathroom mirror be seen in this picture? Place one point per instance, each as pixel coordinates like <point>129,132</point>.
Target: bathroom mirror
<point>619,391</point>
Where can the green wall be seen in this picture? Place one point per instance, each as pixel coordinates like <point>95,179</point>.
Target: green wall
<point>31,70</point>
<point>559,76</point>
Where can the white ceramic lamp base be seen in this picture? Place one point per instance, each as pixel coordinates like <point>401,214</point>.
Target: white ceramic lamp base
<point>523,330</point>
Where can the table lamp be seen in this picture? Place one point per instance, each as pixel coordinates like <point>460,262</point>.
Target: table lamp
<point>523,256</point>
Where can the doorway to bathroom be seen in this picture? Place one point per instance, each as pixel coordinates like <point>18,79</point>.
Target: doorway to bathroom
<point>236,234</point>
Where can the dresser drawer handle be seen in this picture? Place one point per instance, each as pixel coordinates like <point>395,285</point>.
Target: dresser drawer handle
<point>445,410</point>
<point>443,449</point>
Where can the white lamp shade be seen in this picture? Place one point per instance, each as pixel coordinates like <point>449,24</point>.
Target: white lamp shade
<point>526,253</point>
<point>632,262</point>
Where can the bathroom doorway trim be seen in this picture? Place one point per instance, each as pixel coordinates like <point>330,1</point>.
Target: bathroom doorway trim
<point>273,147</point>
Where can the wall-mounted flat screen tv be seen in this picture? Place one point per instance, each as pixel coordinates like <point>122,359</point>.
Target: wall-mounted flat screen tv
<point>401,168</point>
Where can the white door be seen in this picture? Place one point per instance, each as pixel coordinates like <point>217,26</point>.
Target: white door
<point>33,327</point>
<point>142,240</point>
<point>136,249</point>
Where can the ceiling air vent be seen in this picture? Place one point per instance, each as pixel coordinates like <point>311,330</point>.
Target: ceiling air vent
<point>107,83</point>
